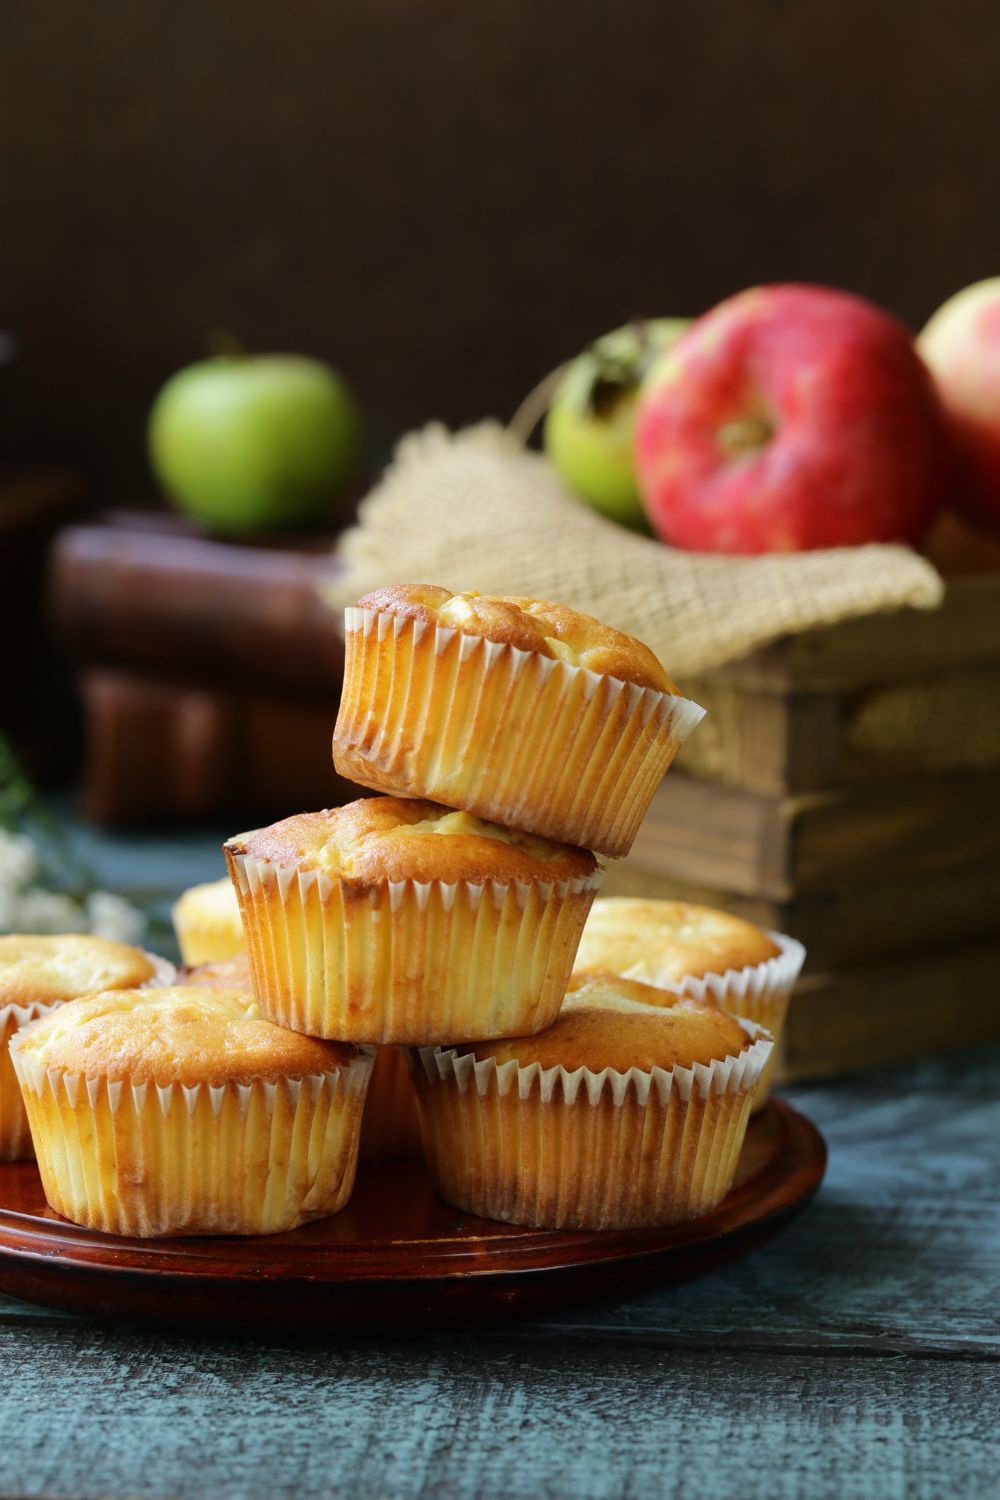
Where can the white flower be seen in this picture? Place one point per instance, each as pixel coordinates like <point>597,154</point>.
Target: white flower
<point>9,907</point>
<point>47,911</point>
<point>18,861</point>
<point>112,916</point>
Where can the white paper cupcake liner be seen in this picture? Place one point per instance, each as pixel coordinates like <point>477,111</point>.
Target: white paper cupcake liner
<point>583,1149</point>
<point>408,961</point>
<point>146,1161</point>
<point>525,740</point>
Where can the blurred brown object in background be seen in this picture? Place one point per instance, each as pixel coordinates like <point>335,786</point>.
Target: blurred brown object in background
<point>210,671</point>
<point>34,503</point>
<point>161,751</point>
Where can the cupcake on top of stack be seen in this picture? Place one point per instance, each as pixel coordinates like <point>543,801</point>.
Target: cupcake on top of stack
<point>629,1110</point>
<point>695,950</point>
<point>38,973</point>
<point>530,714</point>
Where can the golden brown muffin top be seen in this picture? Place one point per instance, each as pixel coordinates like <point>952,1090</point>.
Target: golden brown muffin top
<point>44,970</point>
<point>187,1034</point>
<point>620,1024</point>
<point>552,630</point>
<point>402,838</point>
<point>223,974</point>
<point>660,942</point>
<point>214,902</point>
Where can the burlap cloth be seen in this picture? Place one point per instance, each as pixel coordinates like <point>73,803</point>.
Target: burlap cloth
<point>475,510</point>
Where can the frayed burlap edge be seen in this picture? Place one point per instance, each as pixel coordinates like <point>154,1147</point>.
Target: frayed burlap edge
<point>475,510</point>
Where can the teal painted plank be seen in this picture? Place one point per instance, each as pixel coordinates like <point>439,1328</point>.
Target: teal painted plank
<point>100,1416</point>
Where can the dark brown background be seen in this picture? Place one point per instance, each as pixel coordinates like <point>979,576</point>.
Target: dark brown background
<point>446,199</point>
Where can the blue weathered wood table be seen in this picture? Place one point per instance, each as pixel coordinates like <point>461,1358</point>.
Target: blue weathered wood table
<point>858,1355</point>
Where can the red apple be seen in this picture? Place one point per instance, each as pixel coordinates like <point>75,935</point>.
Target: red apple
<point>961,344</point>
<point>787,418</point>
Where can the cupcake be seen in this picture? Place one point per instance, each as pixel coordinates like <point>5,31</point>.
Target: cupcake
<point>182,1111</point>
<point>396,920</point>
<point>207,923</point>
<point>699,951</point>
<point>37,973</point>
<point>629,1111</point>
<point>525,713</point>
<point>391,1126</point>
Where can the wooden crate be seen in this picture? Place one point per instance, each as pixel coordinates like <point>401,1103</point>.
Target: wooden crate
<point>848,792</point>
<point>804,713</point>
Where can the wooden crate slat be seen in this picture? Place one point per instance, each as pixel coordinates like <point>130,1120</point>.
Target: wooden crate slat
<point>779,847</point>
<point>924,1002</point>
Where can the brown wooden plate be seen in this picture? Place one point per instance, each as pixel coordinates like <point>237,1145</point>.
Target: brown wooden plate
<point>397,1256</point>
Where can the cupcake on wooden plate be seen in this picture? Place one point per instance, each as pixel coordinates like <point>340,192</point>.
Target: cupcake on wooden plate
<point>699,951</point>
<point>182,1111</point>
<point>39,972</point>
<point>526,713</point>
<point>629,1111</point>
<point>396,920</point>
<point>207,923</point>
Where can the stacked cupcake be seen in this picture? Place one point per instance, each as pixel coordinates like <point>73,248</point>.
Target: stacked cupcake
<point>423,941</point>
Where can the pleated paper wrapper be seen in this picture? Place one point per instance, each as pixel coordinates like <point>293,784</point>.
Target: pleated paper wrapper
<point>146,1161</point>
<point>585,1150</point>
<point>524,740</point>
<point>408,961</point>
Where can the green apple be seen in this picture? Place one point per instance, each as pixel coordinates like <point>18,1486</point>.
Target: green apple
<point>590,424</point>
<point>255,442</point>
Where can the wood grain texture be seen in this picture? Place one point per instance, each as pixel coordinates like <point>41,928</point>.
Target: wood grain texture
<point>857,1356</point>
<point>168,1421</point>
<point>780,847</point>
<point>905,644</point>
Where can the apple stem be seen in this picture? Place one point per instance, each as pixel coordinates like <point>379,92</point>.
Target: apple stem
<point>745,435</point>
<point>223,342</point>
<point>535,404</point>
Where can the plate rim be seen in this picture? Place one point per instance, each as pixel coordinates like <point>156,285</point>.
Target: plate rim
<point>59,1247</point>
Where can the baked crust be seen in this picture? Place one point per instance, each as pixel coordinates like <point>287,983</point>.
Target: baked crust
<point>662,942</point>
<point>621,1024</point>
<point>399,838</point>
<point>552,630</point>
<point>50,969</point>
<point>186,1034</point>
<point>223,974</point>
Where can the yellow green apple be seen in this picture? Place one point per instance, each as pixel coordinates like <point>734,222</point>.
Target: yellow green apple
<point>255,442</point>
<point>590,425</point>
